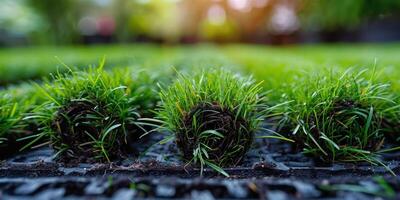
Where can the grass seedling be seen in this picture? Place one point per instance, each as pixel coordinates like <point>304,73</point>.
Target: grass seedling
<point>89,115</point>
<point>213,116</point>
<point>338,117</point>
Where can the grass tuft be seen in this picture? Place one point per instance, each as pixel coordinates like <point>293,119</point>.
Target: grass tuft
<point>214,115</point>
<point>338,117</point>
<point>93,115</point>
<point>15,104</point>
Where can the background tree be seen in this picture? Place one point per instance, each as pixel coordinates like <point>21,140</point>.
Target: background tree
<point>60,17</point>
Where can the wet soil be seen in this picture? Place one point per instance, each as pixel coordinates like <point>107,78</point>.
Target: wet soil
<point>270,170</point>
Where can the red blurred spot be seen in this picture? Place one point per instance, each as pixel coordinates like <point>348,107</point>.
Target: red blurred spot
<point>105,26</point>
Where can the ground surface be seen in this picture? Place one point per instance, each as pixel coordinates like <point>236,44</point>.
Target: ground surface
<point>270,170</point>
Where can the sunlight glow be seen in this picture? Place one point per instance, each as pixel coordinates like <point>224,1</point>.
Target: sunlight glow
<point>216,14</point>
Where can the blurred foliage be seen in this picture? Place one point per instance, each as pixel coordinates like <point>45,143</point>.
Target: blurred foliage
<point>336,14</point>
<point>60,17</point>
<point>154,19</point>
<point>59,22</point>
<point>220,32</point>
<point>17,18</point>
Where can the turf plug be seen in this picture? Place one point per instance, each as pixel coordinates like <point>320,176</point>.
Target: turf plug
<point>213,116</point>
<point>338,117</point>
<point>90,116</point>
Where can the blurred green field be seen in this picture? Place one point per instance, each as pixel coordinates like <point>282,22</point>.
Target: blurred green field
<point>273,65</point>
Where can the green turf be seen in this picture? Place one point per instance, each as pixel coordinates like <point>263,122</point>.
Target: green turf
<point>306,81</point>
<point>94,112</point>
<point>230,105</point>
<point>272,64</point>
<point>339,116</point>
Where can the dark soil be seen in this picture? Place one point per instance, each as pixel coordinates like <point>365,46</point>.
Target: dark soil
<point>11,146</point>
<point>73,124</point>
<point>391,128</point>
<point>226,151</point>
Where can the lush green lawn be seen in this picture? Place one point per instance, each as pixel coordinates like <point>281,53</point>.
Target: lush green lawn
<point>274,65</point>
<point>32,63</point>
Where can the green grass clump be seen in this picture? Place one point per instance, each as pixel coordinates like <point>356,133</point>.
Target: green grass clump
<point>338,117</point>
<point>10,116</point>
<point>15,104</point>
<point>90,116</point>
<point>214,115</point>
<point>142,89</point>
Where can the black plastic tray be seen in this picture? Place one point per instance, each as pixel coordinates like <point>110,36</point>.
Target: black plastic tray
<point>271,170</point>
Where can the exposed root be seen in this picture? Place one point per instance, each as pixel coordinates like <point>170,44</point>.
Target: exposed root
<point>79,126</point>
<point>226,151</point>
<point>343,122</point>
